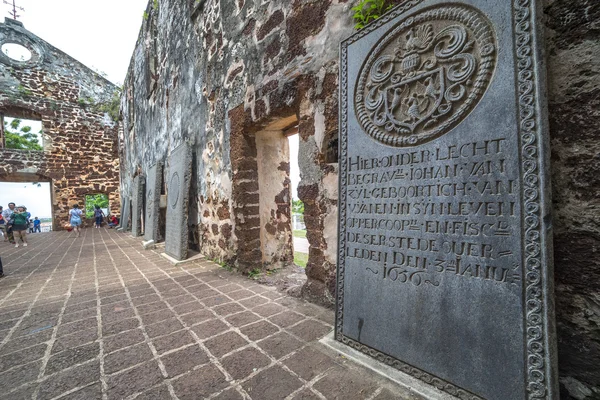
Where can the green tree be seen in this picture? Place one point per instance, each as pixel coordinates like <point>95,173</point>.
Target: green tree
<point>91,200</point>
<point>20,137</point>
<point>297,206</point>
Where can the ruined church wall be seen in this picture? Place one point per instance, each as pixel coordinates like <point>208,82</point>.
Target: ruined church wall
<point>218,73</point>
<point>80,142</point>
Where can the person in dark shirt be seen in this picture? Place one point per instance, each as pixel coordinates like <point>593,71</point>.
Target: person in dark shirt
<point>20,222</point>
<point>37,225</point>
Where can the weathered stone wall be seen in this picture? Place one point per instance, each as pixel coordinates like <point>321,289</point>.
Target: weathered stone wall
<point>80,142</point>
<point>573,57</point>
<point>219,73</point>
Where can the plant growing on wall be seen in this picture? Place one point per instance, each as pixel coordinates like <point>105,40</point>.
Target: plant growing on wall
<point>20,137</point>
<point>369,10</point>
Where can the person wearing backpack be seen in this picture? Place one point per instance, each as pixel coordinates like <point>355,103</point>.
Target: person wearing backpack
<point>20,223</point>
<point>99,215</point>
<point>75,219</point>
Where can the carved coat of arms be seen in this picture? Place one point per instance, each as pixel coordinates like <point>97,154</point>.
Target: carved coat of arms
<point>426,75</point>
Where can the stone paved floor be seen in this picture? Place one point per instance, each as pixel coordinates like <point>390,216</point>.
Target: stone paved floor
<point>100,318</point>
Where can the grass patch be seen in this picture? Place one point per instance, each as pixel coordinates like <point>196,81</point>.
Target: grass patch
<point>300,234</point>
<point>300,259</point>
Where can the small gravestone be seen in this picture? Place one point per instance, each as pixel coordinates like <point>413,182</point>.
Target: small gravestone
<point>444,268</point>
<point>124,223</point>
<point>139,183</point>
<point>153,188</point>
<point>178,188</point>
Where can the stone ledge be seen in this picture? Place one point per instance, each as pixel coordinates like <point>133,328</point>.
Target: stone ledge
<point>411,384</point>
<point>174,261</point>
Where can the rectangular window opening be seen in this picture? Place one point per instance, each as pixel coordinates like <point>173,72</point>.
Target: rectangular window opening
<point>22,133</point>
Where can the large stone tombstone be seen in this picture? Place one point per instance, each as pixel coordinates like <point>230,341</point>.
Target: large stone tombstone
<point>125,209</point>
<point>153,188</point>
<point>178,189</point>
<point>139,186</point>
<point>444,242</point>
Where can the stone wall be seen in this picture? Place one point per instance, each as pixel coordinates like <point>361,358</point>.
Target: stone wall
<point>80,141</point>
<point>573,57</point>
<point>221,73</point>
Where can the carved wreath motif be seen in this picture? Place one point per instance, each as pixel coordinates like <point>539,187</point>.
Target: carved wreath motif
<point>425,76</point>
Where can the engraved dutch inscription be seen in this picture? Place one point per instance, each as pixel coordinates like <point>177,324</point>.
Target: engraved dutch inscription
<point>441,267</point>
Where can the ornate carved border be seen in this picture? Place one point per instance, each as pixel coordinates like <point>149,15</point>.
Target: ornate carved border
<point>539,375</point>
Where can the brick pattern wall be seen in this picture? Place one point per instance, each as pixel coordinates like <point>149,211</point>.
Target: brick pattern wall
<point>80,142</point>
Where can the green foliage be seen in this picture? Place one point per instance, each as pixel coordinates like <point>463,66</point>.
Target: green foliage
<point>369,10</point>
<point>92,200</point>
<point>155,4</point>
<point>20,137</point>
<point>113,106</point>
<point>145,16</point>
<point>297,207</point>
<point>24,91</point>
<point>254,273</point>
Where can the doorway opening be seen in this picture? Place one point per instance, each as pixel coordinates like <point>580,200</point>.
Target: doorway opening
<point>34,194</point>
<point>297,211</point>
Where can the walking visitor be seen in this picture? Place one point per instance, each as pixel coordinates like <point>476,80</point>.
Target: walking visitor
<point>99,215</point>
<point>75,219</point>
<point>19,220</point>
<point>6,215</point>
<point>2,226</point>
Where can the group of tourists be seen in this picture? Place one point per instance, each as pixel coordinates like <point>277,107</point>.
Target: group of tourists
<point>16,221</point>
<point>75,219</point>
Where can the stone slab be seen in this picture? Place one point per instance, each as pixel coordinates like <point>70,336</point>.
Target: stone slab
<point>445,267</point>
<point>125,212</point>
<point>139,189</point>
<point>153,189</point>
<point>174,261</point>
<point>178,189</point>
<point>149,244</point>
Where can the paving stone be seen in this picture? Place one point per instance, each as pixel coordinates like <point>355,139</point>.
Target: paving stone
<point>280,344</point>
<point>224,343</point>
<point>19,375</point>
<point>242,363</point>
<point>229,394</point>
<point>75,340</point>
<point>309,362</point>
<point>163,328</point>
<point>158,316</point>
<point>22,393</point>
<point>23,356</point>
<point>227,309</point>
<point>305,394</point>
<point>71,357</point>
<point>243,318</point>
<point>272,384</point>
<point>209,328</point>
<point>157,393</point>
<point>123,339</point>
<point>184,360</point>
<point>172,341</point>
<point>69,379</point>
<point>215,301</point>
<point>152,307</point>
<point>79,315</point>
<point>22,342</point>
<point>200,383</point>
<point>127,357</point>
<point>196,317</point>
<point>240,294</point>
<point>87,393</point>
<point>254,301</point>
<point>67,329</point>
<point>310,330</point>
<point>267,310</point>
<point>286,318</point>
<point>133,380</point>
<point>259,330</point>
<point>120,326</point>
